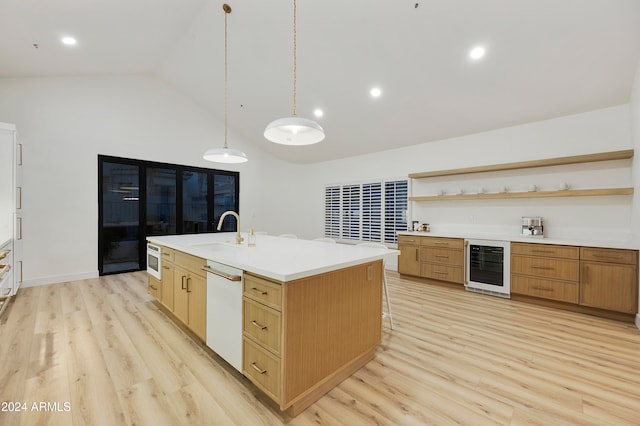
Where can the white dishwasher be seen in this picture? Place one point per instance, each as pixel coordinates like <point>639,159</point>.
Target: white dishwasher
<point>224,312</point>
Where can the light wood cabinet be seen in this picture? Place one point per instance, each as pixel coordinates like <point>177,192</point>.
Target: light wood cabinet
<point>154,287</point>
<point>442,259</point>
<point>588,277</point>
<point>545,271</point>
<point>435,258</point>
<point>167,284</point>
<point>409,259</point>
<point>190,293</point>
<point>302,337</point>
<point>609,279</point>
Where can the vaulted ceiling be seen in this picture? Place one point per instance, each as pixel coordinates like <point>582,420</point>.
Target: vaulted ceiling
<point>544,59</point>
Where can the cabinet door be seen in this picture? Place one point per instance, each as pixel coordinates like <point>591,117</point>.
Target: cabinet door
<point>155,287</point>
<point>609,286</point>
<point>180,295</point>
<point>167,284</point>
<point>197,292</point>
<point>408,261</point>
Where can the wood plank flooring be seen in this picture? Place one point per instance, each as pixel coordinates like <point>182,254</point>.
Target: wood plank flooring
<point>100,352</point>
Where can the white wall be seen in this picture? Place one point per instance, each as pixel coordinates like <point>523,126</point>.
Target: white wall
<point>64,123</point>
<point>602,130</point>
<point>635,133</point>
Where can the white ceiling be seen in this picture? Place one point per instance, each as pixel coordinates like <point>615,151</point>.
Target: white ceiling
<point>545,58</point>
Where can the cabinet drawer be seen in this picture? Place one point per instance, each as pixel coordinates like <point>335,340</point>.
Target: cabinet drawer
<point>168,254</point>
<point>262,368</point>
<point>442,255</point>
<point>629,257</point>
<point>546,250</point>
<point>548,289</point>
<point>190,263</point>
<point>560,269</point>
<point>408,240</point>
<point>263,291</point>
<point>262,324</point>
<point>442,272</point>
<point>452,243</point>
<point>155,287</point>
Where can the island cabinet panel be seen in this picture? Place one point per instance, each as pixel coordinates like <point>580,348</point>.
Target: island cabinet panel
<point>190,293</point>
<point>409,259</point>
<point>332,324</point>
<point>303,337</point>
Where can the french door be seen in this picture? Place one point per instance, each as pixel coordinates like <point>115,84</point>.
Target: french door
<point>141,198</point>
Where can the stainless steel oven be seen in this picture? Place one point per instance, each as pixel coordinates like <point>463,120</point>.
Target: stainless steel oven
<point>488,267</point>
<point>154,260</point>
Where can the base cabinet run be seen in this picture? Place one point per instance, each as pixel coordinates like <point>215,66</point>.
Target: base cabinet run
<point>183,289</point>
<point>435,258</point>
<point>589,277</point>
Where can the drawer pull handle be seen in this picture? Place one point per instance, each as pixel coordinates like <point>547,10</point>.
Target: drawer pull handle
<point>441,272</point>
<point>446,256</point>
<point>153,287</point>
<point>260,326</point>
<point>545,268</point>
<point>603,256</point>
<point>535,287</point>
<point>541,251</point>
<point>261,292</point>
<point>165,267</point>
<point>166,254</point>
<point>441,244</point>
<point>258,369</point>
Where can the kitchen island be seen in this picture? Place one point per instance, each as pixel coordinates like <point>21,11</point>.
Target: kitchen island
<point>310,313</point>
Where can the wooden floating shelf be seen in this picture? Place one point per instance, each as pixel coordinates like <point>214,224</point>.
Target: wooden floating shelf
<point>558,161</point>
<point>529,194</point>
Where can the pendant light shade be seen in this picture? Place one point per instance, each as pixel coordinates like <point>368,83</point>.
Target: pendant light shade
<point>294,130</point>
<point>225,154</point>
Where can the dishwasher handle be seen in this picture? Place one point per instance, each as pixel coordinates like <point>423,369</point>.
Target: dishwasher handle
<point>230,277</point>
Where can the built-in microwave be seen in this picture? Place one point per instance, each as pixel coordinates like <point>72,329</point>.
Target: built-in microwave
<point>154,260</point>
<point>488,268</point>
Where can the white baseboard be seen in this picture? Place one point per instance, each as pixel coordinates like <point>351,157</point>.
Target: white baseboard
<point>59,279</point>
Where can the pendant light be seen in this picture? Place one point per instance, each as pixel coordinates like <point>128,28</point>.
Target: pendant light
<point>294,130</point>
<point>226,154</point>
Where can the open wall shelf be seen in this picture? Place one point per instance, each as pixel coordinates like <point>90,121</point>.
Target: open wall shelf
<point>558,161</point>
<point>576,159</point>
<point>530,194</point>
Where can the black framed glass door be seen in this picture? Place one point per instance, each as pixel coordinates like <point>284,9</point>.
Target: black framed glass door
<point>141,198</point>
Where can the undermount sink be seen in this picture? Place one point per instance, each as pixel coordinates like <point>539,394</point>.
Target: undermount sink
<point>221,245</point>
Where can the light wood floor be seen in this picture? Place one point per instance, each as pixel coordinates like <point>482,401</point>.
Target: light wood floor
<point>102,347</point>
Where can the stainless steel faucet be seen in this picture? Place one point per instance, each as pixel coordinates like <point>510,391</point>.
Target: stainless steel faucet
<point>239,239</point>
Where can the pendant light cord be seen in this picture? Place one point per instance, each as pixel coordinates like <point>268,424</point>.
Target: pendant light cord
<point>226,12</point>
<point>295,69</point>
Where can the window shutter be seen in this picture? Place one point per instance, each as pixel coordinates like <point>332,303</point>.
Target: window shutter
<point>332,211</point>
<point>351,212</point>
<point>395,202</point>
<point>372,212</point>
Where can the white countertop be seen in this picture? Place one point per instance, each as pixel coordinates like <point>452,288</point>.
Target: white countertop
<point>632,243</point>
<point>282,259</point>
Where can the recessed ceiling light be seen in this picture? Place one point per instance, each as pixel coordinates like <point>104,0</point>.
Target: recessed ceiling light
<point>318,112</point>
<point>376,92</point>
<point>69,41</point>
<point>477,52</point>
